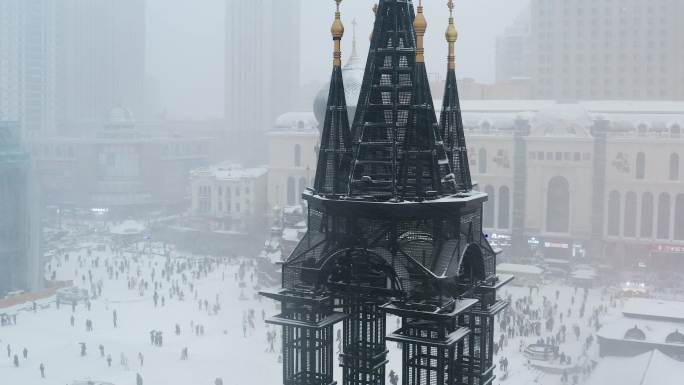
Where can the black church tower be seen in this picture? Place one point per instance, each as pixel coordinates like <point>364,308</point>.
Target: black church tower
<point>394,226</point>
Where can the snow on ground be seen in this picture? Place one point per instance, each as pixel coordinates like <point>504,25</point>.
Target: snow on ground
<point>223,351</point>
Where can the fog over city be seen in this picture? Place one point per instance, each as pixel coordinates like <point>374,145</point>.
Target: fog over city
<point>353,192</point>
<point>185,45</point>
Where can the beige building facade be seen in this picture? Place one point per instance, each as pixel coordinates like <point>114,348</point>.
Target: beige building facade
<point>234,197</point>
<point>580,180</point>
<point>292,149</point>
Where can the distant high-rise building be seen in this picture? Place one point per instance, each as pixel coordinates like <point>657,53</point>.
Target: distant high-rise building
<point>26,62</point>
<point>607,49</point>
<point>513,51</point>
<point>100,61</point>
<point>20,256</point>
<point>262,63</point>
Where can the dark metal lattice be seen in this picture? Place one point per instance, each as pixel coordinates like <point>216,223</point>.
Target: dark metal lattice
<point>393,227</point>
<point>451,123</point>
<point>334,156</point>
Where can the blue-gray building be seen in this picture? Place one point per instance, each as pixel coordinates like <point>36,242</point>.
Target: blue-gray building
<point>20,261</point>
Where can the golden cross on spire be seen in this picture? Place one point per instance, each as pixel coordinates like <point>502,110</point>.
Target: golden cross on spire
<point>450,4</point>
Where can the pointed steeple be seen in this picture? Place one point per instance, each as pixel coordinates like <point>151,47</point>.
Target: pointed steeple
<point>332,172</point>
<point>451,122</point>
<point>398,151</point>
<point>354,57</point>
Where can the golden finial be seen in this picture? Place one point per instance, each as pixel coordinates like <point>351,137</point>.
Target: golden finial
<point>420,25</point>
<point>337,31</point>
<point>451,36</point>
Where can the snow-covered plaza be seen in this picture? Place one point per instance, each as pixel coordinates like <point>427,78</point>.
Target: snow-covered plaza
<point>208,309</point>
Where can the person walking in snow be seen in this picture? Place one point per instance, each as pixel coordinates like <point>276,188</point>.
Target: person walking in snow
<point>42,370</point>
<point>109,360</point>
<point>25,353</point>
<point>138,379</point>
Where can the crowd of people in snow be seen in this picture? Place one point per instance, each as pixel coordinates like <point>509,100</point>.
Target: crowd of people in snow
<point>177,279</point>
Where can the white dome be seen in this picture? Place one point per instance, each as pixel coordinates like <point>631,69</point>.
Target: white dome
<point>296,121</point>
<point>352,74</point>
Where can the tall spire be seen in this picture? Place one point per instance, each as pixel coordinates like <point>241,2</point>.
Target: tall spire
<point>332,172</point>
<point>451,121</point>
<point>398,153</point>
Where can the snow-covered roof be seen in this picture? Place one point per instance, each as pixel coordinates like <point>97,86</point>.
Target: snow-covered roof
<point>517,268</point>
<point>229,171</point>
<point>128,227</point>
<point>303,122</point>
<point>654,309</point>
<point>553,118</point>
<point>656,332</point>
<point>651,368</point>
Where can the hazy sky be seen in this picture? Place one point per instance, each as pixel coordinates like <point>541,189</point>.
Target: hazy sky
<point>185,43</point>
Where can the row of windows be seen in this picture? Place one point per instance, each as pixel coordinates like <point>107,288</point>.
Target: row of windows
<point>673,169</point>
<point>626,216</point>
<point>205,204</point>
<point>557,211</point>
<point>560,156</point>
<point>502,214</point>
<point>206,191</point>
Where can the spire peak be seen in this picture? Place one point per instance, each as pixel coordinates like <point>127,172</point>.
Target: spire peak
<point>337,31</point>
<point>451,36</point>
<point>420,26</point>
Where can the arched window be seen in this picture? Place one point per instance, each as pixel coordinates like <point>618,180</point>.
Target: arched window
<point>674,166</point>
<point>663,216</point>
<point>291,191</point>
<point>302,185</point>
<point>635,334</point>
<point>482,161</point>
<point>228,198</point>
<point>558,206</point>
<point>675,338</point>
<point>504,208</point>
<point>630,215</point>
<point>614,213</point>
<point>488,211</point>
<point>298,155</point>
<point>647,215</point>
<point>641,166</point>
<point>679,218</point>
